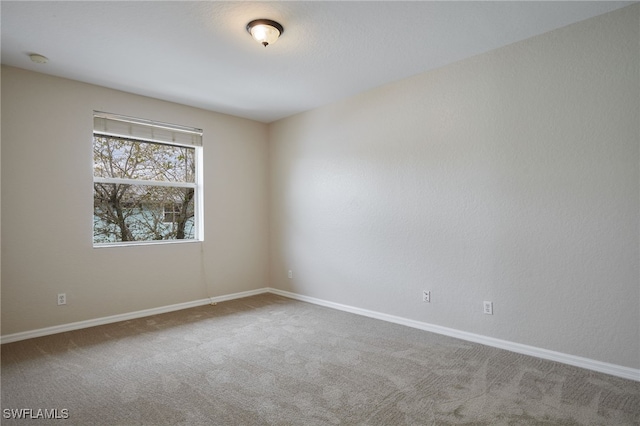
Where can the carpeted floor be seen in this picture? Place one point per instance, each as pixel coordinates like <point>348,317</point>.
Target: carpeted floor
<point>270,360</point>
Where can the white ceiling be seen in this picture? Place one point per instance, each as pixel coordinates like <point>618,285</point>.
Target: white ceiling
<point>199,53</point>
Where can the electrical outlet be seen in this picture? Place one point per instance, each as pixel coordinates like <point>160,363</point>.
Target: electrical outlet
<point>290,274</point>
<point>62,299</point>
<point>488,307</point>
<point>426,296</point>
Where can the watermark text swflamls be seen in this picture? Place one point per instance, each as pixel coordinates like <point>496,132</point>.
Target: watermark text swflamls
<point>35,413</point>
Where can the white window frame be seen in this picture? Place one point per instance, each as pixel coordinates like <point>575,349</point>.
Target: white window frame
<point>163,129</point>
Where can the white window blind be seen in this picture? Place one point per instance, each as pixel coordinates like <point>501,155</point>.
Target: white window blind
<point>147,130</point>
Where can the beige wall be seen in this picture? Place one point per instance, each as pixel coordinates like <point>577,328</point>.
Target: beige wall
<point>47,209</point>
<point>512,177</point>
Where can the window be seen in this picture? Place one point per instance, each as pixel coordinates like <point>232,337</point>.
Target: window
<point>147,184</point>
<point>172,212</point>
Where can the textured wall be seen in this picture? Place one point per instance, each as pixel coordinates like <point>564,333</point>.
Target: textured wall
<point>47,204</point>
<point>512,176</point>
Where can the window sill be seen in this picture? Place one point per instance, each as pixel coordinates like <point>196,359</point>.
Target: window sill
<point>145,243</point>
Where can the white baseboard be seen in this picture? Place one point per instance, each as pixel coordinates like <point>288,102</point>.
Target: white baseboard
<point>124,317</point>
<point>590,364</point>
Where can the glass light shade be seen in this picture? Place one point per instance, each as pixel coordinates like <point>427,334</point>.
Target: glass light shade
<point>265,31</point>
<point>265,34</point>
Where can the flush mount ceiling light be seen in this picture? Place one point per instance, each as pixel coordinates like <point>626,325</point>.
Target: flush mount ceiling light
<point>265,31</point>
<point>38,59</point>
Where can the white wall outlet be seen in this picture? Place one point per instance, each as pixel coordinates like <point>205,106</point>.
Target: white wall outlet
<point>62,299</point>
<point>290,274</point>
<point>488,308</point>
<point>426,296</point>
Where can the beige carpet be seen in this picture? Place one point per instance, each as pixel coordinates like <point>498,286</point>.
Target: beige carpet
<point>271,360</point>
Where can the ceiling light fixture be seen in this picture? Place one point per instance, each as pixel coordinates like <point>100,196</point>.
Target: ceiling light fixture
<point>38,59</point>
<point>265,31</point>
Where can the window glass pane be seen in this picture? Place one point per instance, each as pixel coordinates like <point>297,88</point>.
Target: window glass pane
<point>142,213</point>
<point>131,159</point>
